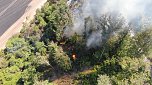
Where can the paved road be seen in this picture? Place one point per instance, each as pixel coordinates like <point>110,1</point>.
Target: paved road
<point>11,11</point>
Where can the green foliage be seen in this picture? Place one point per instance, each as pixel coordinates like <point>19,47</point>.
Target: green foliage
<point>132,68</point>
<point>134,64</point>
<point>19,62</point>
<point>124,61</point>
<point>30,57</point>
<point>29,75</point>
<point>126,47</point>
<point>41,21</point>
<point>136,46</point>
<point>9,76</point>
<point>58,57</point>
<point>14,44</point>
<point>104,80</point>
<point>87,77</point>
<point>3,61</point>
<point>144,41</point>
<point>40,47</point>
<point>133,71</point>
<point>56,16</point>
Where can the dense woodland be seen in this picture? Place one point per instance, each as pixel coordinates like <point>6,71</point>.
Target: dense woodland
<point>40,54</point>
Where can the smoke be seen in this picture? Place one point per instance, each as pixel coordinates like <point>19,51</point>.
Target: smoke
<point>86,16</point>
<point>94,39</point>
<point>129,9</point>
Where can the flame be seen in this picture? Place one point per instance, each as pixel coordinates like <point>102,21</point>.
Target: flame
<point>74,57</point>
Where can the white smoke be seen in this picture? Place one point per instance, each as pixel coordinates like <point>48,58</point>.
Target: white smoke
<point>133,11</point>
<point>94,39</point>
<point>130,9</point>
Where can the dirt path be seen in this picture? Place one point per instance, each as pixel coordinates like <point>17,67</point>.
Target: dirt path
<point>68,79</point>
<point>64,80</point>
<point>17,26</point>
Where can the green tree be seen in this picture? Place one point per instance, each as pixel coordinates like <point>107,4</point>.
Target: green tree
<point>58,57</point>
<point>14,44</point>
<point>9,75</point>
<point>40,47</point>
<point>57,17</point>
<point>104,80</point>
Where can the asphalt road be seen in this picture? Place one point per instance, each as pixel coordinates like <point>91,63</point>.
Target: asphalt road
<point>10,12</point>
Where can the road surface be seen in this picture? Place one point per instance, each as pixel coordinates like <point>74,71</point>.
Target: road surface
<point>12,15</point>
<point>10,12</point>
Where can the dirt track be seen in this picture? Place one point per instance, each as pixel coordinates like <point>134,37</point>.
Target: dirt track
<point>17,26</point>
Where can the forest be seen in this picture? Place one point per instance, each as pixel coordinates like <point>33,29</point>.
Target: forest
<point>43,54</point>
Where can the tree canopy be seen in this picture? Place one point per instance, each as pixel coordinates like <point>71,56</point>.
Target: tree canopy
<point>41,54</point>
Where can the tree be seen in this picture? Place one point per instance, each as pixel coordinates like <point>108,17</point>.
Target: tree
<point>57,17</point>
<point>14,44</point>
<point>104,80</point>
<point>58,57</point>
<point>144,41</point>
<point>9,75</point>
<point>131,58</point>
<point>40,47</point>
<point>133,71</point>
<point>3,60</point>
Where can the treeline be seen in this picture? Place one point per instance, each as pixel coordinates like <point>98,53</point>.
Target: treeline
<point>27,57</point>
<point>41,52</point>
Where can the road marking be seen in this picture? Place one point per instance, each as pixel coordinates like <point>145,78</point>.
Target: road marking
<point>11,4</point>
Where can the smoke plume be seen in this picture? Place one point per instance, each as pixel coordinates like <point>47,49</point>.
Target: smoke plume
<point>86,17</point>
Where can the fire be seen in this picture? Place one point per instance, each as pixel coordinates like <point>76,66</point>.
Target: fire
<point>74,57</point>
